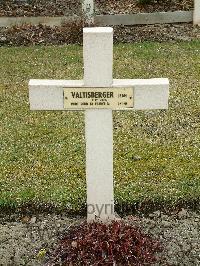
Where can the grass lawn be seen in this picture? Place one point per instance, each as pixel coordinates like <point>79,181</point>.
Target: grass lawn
<point>156,153</point>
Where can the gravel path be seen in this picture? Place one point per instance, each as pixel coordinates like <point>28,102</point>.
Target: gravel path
<point>24,240</point>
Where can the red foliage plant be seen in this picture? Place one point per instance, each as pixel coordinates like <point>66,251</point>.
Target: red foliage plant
<point>101,244</point>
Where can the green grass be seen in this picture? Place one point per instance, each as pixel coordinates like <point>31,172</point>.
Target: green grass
<point>42,154</point>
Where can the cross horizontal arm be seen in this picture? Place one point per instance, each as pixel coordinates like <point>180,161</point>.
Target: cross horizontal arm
<point>148,93</point>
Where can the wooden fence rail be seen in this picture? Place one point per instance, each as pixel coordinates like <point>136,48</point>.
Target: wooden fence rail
<point>145,18</point>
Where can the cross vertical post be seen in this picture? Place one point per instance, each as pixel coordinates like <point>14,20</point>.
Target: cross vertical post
<point>98,64</point>
<point>88,11</point>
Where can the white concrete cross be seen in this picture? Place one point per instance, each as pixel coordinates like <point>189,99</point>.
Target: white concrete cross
<point>55,95</point>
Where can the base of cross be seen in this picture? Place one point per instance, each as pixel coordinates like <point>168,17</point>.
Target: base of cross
<point>99,94</point>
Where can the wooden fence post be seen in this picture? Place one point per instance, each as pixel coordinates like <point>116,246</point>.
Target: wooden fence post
<point>196,19</point>
<point>88,11</point>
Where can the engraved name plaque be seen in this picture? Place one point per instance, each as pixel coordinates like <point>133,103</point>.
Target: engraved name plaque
<point>98,98</point>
